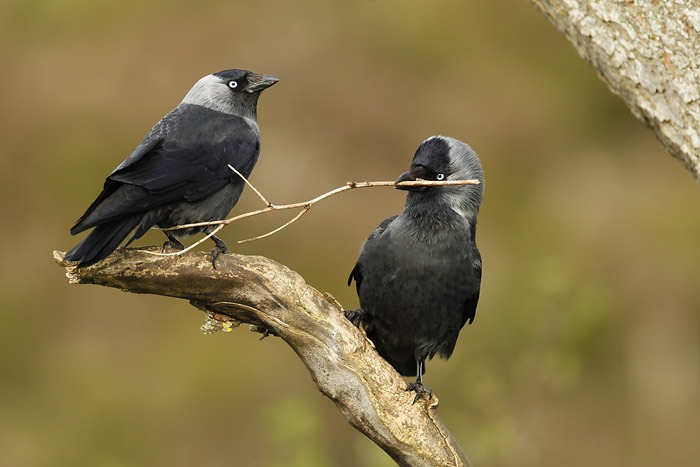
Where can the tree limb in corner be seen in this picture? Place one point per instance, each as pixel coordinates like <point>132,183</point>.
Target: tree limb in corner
<point>341,360</point>
<point>648,52</point>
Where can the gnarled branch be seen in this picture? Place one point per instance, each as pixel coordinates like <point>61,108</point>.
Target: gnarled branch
<point>341,360</point>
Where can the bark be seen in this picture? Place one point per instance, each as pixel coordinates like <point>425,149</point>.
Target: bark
<point>342,361</point>
<point>648,52</point>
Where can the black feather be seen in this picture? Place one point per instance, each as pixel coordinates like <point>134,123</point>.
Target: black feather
<point>101,241</point>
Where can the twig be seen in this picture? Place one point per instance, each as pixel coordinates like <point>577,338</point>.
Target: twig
<point>305,206</point>
<point>252,187</point>
<point>303,211</point>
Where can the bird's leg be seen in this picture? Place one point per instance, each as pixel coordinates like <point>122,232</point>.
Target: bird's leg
<point>172,242</point>
<point>354,316</point>
<point>418,387</point>
<point>219,249</point>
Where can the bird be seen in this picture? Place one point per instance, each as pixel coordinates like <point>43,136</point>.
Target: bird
<point>418,275</point>
<point>179,174</point>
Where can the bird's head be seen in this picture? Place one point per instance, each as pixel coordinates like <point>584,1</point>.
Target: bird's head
<point>233,92</point>
<point>445,158</point>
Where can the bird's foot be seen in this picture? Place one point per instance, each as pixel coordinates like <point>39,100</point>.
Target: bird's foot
<point>354,316</point>
<point>262,330</point>
<point>218,250</point>
<point>420,391</point>
<point>173,244</point>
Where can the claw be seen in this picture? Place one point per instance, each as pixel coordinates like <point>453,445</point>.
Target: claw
<point>170,245</point>
<point>354,316</point>
<point>420,391</point>
<point>418,387</point>
<point>215,254</point>
<point>172,242</point>
<point>219,249</point>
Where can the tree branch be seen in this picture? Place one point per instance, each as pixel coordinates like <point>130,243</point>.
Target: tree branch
<point>266,294</point>
<point>648,52</point>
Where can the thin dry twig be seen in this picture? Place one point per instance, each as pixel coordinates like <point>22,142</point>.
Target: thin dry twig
<point>303,211</point>
<point>304,207</point>
<point>252,187</point>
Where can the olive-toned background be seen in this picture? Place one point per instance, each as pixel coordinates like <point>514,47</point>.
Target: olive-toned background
<point>586,346</point>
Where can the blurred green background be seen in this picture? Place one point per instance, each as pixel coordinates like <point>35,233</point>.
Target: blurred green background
<point>586,346</point>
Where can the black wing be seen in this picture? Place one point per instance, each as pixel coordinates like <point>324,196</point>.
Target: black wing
<point>356,272</point>
<point>473,298</point>
<point>185,157</point>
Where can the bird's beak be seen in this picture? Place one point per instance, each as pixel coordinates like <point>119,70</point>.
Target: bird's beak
<point>413,174</point>
<point>258,82</point>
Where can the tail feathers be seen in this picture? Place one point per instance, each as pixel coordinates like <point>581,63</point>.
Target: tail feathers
<point>102,241</point>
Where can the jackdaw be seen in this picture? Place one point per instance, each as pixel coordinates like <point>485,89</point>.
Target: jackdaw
<point>179,173</point>
<point>419,273</point>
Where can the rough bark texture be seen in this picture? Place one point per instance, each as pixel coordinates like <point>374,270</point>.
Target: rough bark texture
<point>342,361</point>
<point>648,52</point>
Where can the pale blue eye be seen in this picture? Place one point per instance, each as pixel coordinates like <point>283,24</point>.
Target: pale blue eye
<point>440,177</point>
<point>232,84</point>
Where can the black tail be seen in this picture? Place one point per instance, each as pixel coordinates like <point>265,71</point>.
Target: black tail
<point>102,241</point>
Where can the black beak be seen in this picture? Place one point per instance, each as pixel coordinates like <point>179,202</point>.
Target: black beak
<point>413,174</point>
<point>258,82</point>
